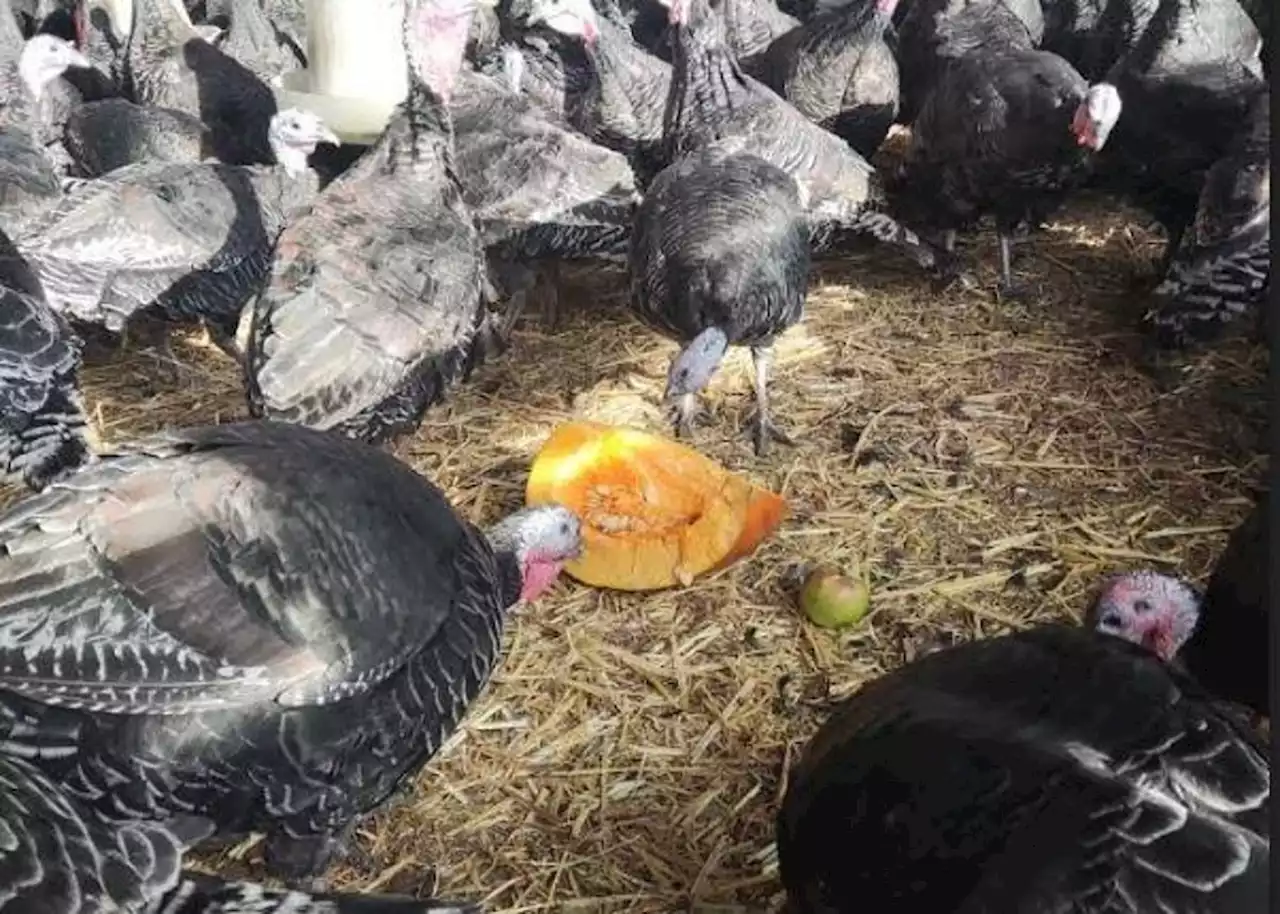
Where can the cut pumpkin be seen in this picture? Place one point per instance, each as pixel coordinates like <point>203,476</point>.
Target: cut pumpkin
<point>654,513</point>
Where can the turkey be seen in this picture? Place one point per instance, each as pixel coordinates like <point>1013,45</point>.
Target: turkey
<point>43,430</point>
<point>376,304</point>
<point>261,626</point>
<point>1054,769</point>
<point>540,192</point>
<point>102,136</point>
<point>933,33</point>
<point>623,91</point>
<point>712,101</point>
<point>60,857</point>
<point>166,63</point>
<point>720,257</point>
<point>1095,34</point>
<point>191,242</point>
<point>253,41</point>
<point>1222,639</point>
<point>1188,83</point>
<point>29,182</point>
<point>1221,268</point>
<point>838,70</point>
<point>92,138</point>
<point>1009,134</point>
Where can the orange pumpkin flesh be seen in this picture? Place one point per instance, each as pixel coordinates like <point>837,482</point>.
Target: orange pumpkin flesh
<point>655,513</point>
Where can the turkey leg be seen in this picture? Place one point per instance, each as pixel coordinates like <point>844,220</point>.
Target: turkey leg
<point>763,429</point>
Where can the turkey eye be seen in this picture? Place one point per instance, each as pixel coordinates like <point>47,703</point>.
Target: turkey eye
<point>1110,620</point>
<point>1141,606</point>
<point>564,529</point>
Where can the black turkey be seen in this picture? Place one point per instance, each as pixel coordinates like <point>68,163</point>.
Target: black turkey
<point>1222,639</point>
<point>63,857</point>
<point>1051,770</point>
<point>1008,133</point>
<point>1221,268</point>
<point>933,33</point>
<point>839,71</point>
<point>376,306</point>
<point>720,257</point>
<point>1188,83</point>
<point>259,625</point>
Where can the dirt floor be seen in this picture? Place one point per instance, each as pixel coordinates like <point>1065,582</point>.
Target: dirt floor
<point>985,461</point>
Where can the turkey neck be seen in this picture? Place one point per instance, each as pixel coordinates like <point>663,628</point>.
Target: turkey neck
<point>705,81</point>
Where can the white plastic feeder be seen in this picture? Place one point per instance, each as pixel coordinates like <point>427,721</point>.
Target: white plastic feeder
<point>356,71</point>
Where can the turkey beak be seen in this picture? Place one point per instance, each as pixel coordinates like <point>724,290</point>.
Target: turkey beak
<point>325,135</point>
<point>76,59</point>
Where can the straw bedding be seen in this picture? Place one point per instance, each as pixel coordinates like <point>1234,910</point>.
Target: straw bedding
<point>986,460</point>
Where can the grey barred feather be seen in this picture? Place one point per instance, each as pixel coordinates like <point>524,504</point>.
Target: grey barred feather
<point>59,857</point>
<point>713,102</point>
<point>42,420</point>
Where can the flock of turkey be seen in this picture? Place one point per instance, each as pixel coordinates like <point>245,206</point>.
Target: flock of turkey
<point>271,625</point>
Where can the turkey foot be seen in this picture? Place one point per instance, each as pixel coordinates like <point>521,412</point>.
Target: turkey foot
<point>763,429</point>
<point>1009,289</point>
<point>685,414</point>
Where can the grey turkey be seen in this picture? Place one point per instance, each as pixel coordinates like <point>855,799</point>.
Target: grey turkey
<point>1187,86</point>
<point>1221,269</point>
<point>186,242</point>
<point>713,102</point>
<point>616,91</point>
<point>260,626</point>
<point>41,81</point>
<point>750,29</point>
<point>535,63</point>
<point>63,857</point>
<point>30,182</point>
<point>252,40</point>
<point>164,61</point>
<point>90,138</point>
<point>720,257</point>
<point>1054,769</point>
<point>1223,637</point>
<point>933,33</point>
<point>541,193</point>
<point>377,303</point>
<point>1009,134</point>
<point>839,71</point>
<point>43,430</point>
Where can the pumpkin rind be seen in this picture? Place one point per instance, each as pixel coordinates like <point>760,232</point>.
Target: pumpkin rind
<point>655,513</point>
